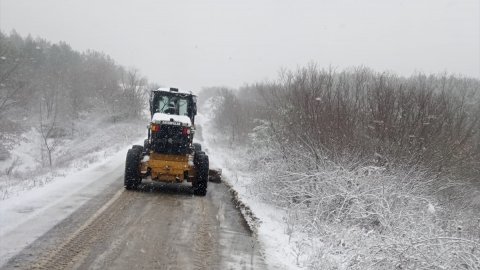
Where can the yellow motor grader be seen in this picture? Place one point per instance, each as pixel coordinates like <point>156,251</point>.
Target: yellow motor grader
<point>169,154</point>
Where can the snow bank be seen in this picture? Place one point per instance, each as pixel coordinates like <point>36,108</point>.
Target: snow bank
<point>84,165</point>
<point>266,220</point>
<point>93,140</point>
<point>47,205</point>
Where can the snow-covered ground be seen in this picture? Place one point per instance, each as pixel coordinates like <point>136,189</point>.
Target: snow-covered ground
<point>94,140</point>
<point>34,198</point>
<point>26,217</point>
<point>81,162</point>
<point>337,218</point>
<point>31,210</point>
<point>267,220</point>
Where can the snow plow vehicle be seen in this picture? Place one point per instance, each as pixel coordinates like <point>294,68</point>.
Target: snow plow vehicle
<point>168,153</point>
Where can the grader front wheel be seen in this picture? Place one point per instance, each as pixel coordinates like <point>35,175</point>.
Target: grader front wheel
<point>201,181</point>
<point>132,176</point>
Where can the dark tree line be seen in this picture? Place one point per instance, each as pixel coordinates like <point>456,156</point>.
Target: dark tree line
<point>50,86</point>
<point>361,115</point>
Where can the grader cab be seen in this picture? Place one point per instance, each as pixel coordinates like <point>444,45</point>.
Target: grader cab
<point>168,153</point>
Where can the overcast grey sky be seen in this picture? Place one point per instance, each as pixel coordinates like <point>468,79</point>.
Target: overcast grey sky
<point>198,43</point>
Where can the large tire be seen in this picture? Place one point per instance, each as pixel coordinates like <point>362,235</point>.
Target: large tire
<point>201,180</point>
<point>138,148</point>
<point>132,176</point>
<point>197,147</point>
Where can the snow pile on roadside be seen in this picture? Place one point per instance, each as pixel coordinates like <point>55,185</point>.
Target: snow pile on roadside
<point>266,220</point>
<point>94,140</point>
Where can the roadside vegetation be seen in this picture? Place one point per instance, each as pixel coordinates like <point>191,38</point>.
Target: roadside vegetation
<point>54,99</point>
<point>373,170</point>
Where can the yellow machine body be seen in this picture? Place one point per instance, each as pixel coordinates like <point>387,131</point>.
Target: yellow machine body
<point>168,168</point>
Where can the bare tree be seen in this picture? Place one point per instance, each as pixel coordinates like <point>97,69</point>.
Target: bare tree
<point>134,92</point>
<point>48,119</point>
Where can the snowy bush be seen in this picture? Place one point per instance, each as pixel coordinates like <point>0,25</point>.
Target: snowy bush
<point>429,120</point>
<point>373,170</point>
<point>368,217</point>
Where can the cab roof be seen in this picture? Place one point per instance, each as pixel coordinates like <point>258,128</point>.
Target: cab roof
<point>172,90</point>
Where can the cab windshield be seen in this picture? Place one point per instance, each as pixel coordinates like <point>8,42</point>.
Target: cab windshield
<point>172,105</point>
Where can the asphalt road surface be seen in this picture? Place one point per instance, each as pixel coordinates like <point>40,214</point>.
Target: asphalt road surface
<point>160,226</point>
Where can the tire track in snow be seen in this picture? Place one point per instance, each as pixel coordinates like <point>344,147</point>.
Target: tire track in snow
<point>204,241</point>
<point>90,232</point>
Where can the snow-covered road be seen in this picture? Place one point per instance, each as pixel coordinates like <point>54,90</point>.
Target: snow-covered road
<point>87,221</point>
<point>26,217</point>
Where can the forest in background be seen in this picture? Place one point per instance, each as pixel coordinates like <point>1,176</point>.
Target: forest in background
<point>380,171</point>
<point>62,110</point>
<point>52,87</point>
<point>359,116</point>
